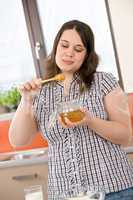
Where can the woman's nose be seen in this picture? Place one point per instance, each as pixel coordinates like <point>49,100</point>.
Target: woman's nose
<point>70,52</point>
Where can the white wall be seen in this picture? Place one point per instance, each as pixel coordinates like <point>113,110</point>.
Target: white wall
<point>122,19</point>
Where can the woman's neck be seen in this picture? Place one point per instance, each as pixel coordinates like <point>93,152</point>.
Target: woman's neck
<point>67,82</point>
<point>68,76</point>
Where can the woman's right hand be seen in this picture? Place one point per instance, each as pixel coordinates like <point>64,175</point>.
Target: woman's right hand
<point>29,89</point>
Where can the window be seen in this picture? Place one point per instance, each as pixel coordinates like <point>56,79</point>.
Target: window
<point>54,14</point>
<point>16,61</point>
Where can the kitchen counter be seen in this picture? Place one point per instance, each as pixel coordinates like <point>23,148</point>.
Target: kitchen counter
<point>128,149</point>
<point>22,158</point>
<point>30,157</point>
<point>6,116</point>
<point>20,170</point>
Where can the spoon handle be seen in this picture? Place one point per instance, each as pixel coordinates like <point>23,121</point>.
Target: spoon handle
<point>47,80</point>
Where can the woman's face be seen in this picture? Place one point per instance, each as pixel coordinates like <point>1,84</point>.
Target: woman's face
<point>70,52</point>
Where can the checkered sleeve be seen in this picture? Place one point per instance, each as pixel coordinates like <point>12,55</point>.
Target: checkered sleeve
<point>109,82</point>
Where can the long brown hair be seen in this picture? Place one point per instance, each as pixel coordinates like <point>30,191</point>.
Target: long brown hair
<point>90,63</point>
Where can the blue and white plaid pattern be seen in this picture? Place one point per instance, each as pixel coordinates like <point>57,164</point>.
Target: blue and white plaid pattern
<point>79,158</point>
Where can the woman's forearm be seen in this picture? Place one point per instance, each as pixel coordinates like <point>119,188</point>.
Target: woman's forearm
<point>115,132</point>
<point>23,126</point>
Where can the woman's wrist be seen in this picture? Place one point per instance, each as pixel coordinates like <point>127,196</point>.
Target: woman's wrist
<point>26,105</point>
<point>26,100</point>
<point>91,121</point>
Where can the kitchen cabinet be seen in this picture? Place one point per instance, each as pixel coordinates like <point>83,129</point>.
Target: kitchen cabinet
<point>14,180</point>
<point>38,142</point>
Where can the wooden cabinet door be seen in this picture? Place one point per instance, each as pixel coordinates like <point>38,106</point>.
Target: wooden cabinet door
<point>14,180</point>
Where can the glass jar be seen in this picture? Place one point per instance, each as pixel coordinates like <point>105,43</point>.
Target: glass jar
<point>71,110</point>
<point>34,192</point>
<point>89,195</point>
<point>67,109</point>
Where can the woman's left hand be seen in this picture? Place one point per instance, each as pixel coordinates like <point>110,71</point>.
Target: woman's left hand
<point>84,122</point>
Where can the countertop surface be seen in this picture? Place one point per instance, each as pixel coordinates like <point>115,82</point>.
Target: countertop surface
<point>29,157</point>
<point>6,116</point>
<point>21,158</point>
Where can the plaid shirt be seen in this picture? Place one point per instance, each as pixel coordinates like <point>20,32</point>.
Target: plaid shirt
<point>79,159</point>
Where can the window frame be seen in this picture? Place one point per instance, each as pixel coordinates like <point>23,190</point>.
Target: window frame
<point>35,34</point>
<point>114,44</point>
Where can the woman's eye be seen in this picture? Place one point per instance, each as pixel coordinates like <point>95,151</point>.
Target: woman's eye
<point>78,50</point>
<point>64,45</point>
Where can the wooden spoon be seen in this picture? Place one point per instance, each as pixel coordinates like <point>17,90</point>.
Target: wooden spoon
<point>58,77</point>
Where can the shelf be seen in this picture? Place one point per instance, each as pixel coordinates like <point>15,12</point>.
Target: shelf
<point>6,116</point>
<point>128,149</point>
<point>27,157</point>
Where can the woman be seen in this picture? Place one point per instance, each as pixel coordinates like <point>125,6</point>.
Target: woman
<point>85,154</point>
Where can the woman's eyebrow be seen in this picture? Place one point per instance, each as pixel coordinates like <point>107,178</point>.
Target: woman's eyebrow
<point>79,45</point>
<point>64,41</point>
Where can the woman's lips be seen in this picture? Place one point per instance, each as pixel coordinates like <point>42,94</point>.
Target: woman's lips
<point>68,62</point>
